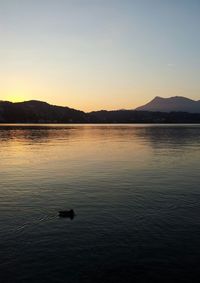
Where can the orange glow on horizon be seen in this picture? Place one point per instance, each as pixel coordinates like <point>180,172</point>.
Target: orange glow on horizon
<point>16,98</point>
<point>86,106</point>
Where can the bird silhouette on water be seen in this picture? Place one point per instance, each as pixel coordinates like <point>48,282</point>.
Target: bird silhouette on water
<point>67,214</point>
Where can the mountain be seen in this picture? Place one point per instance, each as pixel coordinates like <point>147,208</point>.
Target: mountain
<point>176,104</point>
<point>39,112</point>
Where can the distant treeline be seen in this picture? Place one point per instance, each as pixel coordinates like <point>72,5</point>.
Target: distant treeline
<point>133,116</point>
<point>42,112</point>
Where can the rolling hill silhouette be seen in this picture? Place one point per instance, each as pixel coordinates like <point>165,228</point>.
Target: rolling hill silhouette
<point>39,112</point>
<point>159,110</point>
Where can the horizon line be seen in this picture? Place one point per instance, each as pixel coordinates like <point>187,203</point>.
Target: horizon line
<point>118,109</point>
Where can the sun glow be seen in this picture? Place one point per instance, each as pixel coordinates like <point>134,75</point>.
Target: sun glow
<point>17,89</point>
<point>16,97</point>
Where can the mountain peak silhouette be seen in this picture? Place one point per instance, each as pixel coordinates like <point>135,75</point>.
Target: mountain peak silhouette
<point>175,103</point>
<point>160,110</point>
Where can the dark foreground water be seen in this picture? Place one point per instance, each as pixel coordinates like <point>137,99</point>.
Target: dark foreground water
<point>135,190</point>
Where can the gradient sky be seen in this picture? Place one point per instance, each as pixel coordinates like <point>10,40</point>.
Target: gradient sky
<point>99,54</point>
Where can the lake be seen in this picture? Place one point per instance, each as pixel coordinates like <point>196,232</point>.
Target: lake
<point>135,190</point>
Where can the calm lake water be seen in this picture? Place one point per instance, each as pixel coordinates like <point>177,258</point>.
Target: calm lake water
<point>135,190</point>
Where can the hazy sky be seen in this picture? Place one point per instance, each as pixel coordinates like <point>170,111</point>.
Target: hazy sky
<point>99,54</point>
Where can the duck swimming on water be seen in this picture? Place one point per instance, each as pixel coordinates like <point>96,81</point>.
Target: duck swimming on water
<point>67,213</point>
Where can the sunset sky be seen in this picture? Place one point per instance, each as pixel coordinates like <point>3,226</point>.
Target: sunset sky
<point>99,54</point>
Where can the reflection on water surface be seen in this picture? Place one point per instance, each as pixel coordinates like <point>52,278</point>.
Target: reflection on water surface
<point>135,190</point>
